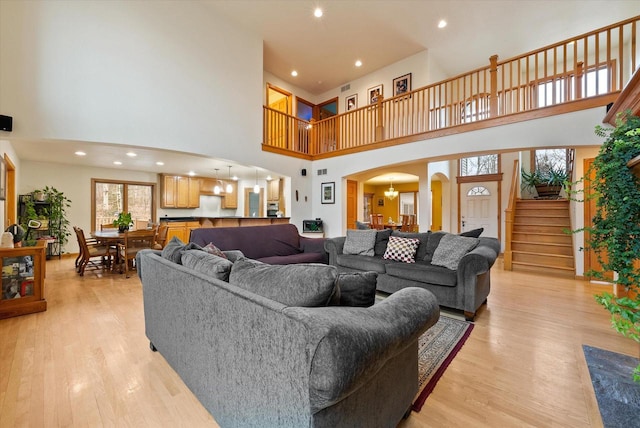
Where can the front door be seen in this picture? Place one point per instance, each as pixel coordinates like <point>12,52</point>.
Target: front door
<point>479,207</point>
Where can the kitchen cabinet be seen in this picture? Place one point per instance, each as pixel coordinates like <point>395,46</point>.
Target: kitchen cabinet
<point>273,190</point>
<point>179,191</point>
<point>180,229</point>
<point>23,272</point>
<point>230,200</point>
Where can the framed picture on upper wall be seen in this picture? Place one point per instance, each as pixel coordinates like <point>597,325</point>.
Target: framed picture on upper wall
<point>351,103</point>
<point>328,193</point>
<point>374,93</point>
<point>401,85</point>
<point>3,179</point>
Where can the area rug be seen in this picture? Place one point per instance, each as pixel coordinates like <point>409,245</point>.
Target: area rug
<point>436,349</point>
<point>617,394</point>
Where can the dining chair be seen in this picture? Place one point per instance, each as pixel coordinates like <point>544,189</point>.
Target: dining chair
<point>89,251</point>
<point>161,237</point>
<point>408,222</point>
<point>376,221</point>
<point>107,226</point>
<point>133,242</point>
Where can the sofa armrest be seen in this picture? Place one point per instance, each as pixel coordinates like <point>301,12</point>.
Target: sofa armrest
<point>313,245</point>
<point>355,343</point>
<point>333,247</point>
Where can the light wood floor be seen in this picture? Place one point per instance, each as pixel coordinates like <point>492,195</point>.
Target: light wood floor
<point>86,362</point>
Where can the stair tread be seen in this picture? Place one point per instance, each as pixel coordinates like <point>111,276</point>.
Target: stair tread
<point>542,266</point>
<point>541,254</point>
<point>556,244</point>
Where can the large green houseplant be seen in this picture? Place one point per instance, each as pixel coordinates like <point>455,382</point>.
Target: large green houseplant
<point>614,235</point>
<point>57,212</point>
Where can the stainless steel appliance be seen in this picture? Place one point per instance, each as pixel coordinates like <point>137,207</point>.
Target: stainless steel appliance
<point>272,209</point>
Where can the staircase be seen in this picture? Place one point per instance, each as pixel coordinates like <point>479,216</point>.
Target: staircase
<point>539,242</point>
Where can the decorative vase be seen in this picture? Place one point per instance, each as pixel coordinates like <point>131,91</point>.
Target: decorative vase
<point>122,228</point>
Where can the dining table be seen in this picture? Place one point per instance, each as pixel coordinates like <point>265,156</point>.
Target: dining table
<point>393,226</point>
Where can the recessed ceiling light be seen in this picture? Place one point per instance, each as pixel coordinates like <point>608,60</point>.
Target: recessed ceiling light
<point>191,173</point>
<point>442,23</point>
<point>317,12</point>
<point>159,163</point>
<point>358,63</point>
<point>117,163</point>
<point>131,154</point>
<point>294,73</point>
<point>79,153</point>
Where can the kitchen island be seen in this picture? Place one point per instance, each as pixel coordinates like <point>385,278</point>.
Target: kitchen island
<point>182,226</point>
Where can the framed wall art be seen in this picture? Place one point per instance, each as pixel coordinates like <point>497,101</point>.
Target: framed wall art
<point>374,93</point>
<point>328,193</point>
<point>402,84</point>
<point>351,103</point>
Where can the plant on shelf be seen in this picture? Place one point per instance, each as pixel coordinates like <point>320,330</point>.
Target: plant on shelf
<point>614,235</point>
<point>548,183</point>
<point>123,222</point>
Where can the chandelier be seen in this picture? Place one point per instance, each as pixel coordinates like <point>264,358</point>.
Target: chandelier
<point>391,193</point>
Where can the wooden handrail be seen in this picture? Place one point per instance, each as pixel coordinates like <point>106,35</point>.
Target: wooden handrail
<point>559,74</point>
<point>510,214</point>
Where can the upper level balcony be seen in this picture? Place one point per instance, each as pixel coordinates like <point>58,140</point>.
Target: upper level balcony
<point>583,72</point>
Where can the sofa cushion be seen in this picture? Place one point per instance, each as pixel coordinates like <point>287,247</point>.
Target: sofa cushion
<point>212,249</point>
<point>357,288</point>
<point>374,264</point>
<point>401,249</point>
<point>475,233</point>
<point>382,239</point>
<point>309,284</point>
<point>293,258</point>
<point>432,244</point>
<point>174,248</point>
<point>421,252</point>
<point>451,249</point>
<point>423,272</point>
<point>362,226</point>
<point>208,264</point>
<point>360,242</point>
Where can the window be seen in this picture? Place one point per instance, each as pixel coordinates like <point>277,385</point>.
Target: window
<point>479,165</point>
<point>479,191</point>
<point>408,203</point>
<point>112,197</point>
<point>552,160</point>
<point>561,88</point>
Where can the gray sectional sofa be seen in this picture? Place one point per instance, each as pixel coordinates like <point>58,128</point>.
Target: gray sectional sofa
<point>464,287</point>
<point>254,361</point>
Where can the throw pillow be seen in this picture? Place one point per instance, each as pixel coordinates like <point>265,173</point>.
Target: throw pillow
<point>212,249</point>
<point>362,226</point>
<point>382,240</point>
<point>421,252</point>
<point>174,248</point>
<point>360,242</point>
<point>432,244</point>
<point>357,289</point>
<point>303,284</point>
<point>475,233</point>
<point>451,250</point>
<point>401,249</point>
<point>208,264</point>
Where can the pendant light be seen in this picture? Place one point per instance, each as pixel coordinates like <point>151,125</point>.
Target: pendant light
<point>229,188</point>
<point>391,193</point>
<point>256,188</point>
<point>216,188</point>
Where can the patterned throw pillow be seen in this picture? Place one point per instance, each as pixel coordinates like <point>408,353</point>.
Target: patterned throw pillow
<point>401,249</point>
<point>212,249</point>
<point>360,242</point>
<point>451,249</point>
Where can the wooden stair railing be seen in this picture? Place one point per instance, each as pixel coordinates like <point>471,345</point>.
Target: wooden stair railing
<point>510,215</point>
<point>521,88</point>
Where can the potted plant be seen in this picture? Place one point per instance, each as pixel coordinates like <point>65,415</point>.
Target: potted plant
<point>57,215</point>
<point>123,222</point>
<point>548,183</point>
<point>614,235</point>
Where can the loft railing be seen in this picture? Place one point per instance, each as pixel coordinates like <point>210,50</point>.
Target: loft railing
<point>582,72</point>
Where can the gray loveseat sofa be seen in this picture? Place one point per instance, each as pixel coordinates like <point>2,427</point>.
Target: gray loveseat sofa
<point>465,288</point>
<point>255,362</point>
